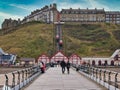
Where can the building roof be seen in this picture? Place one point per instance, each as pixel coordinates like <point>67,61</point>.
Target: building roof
<point>112,12</point>
<point>59,56</point>
<point>82,11</point>
<point>2,52</point>
<point>115,53</point>
<point>44,58</point>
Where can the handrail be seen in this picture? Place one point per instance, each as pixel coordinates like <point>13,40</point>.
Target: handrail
<point>22,77</point>
<point>102,75</point>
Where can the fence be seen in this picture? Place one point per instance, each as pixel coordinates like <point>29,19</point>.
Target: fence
<point>107,78</point>
<point>18,79</point>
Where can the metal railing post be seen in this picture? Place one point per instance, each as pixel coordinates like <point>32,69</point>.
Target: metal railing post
<point>116,85</point>
<point>100,75</point>
<point>13,81</point>
<point>26,74</point>
<point>23,77</point>
<point>104,76</point>
<point>109,79</point>
<point>96,73</point>
<point>93,73</point>
<point>90,71</point>
<point>29,74</point>
<point>6,82</point>
<point>18,82</point>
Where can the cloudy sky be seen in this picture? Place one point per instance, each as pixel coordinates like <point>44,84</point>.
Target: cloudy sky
<point>20,8</point>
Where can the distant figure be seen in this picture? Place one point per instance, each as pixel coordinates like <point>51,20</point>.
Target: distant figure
<point>58,63</point>
<point>63,64</point>
<point>68,67</point>
<point>52,64</point>
<point>42,67</point>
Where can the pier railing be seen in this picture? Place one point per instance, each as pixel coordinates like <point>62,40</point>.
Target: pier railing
<point>18,79</point>
<point>107,78</point>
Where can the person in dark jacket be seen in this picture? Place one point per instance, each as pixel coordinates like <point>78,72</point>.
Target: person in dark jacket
<point>63,65</point>
<point>68,67</point>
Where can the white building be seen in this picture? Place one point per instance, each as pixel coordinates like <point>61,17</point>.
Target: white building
<point>113,60</point>
<point>47,14</point>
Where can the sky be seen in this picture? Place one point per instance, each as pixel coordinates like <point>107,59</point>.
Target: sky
<point>20,8</point>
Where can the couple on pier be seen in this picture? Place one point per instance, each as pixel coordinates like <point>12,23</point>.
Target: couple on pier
<point>64,65</point>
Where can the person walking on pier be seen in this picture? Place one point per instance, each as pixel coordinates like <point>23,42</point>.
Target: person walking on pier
<point>63,65</point>
<point>68,67</point>
<point>42,67</point>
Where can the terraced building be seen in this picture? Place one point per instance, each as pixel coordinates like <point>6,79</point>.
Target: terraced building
<point>50,14</point>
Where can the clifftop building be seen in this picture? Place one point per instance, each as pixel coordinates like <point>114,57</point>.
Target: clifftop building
<point>112,17</point>
<point>50,14</point>
<point>82,15</point>
<point>9,23</point>
<point>47,14</point>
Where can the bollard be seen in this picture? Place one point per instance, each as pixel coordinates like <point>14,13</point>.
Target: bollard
<point>116,85</point>
<point>6,82</point>
<point>13,81</point>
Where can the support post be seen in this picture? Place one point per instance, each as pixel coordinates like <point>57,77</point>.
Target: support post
<point>23,77</point>
<point>6,82</point>
<point>13,81</point>
<point>116,85</point>
<point>109,79</point>
<point>18,82</point>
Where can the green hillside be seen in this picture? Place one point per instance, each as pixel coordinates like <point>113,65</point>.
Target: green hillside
<point>92,40</point>
<point>29,40</point>
<point>33,39</point>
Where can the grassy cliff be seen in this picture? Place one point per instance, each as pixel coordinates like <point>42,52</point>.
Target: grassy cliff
<point>92,40</point>
<point>30,40</point>
<point>33,39</point>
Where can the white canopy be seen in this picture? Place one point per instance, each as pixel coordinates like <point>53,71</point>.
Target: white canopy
<point>2,52</point>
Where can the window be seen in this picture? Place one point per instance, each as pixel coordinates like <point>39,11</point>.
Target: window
<point>107,21</point>
<point>107,15</point>
<point>117,21</point>
<point>118,15</point>
<point>107,18</point>
<point>81,12</point>
<point>76,12</point>
<point>117,18</point>
<point>72,12</point>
